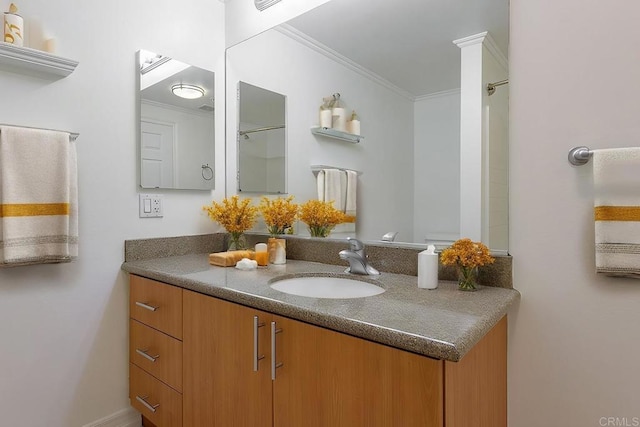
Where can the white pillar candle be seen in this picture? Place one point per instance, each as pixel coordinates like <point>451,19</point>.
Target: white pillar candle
<point>353,127</point>
<point>325,118</point>
<point>13,29</point>
<point>339,119</point>
<point>49,45</point>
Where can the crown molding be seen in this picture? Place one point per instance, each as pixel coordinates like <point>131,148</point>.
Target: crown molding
<point>493,48</point>
<point>440,94</point>
<point>318,47</point>
<point>487,41</point>
<point>471,40</point>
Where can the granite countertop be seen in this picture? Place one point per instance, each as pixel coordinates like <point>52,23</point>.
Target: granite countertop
<point>444,323</point>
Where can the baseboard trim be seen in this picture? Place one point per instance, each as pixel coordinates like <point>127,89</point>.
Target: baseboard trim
<point>128,417</point>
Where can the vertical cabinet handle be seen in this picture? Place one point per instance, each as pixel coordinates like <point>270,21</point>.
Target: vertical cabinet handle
<point>144,353</point>
<point>146,404</point>
<point>274,365</point>
<point>146,306</point>
<point>256,357</point>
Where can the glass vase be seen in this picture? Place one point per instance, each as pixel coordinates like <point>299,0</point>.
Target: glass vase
<point>237,242</point>
<point>467,278</point>
<point>277,250</point>
<point>319,230</point>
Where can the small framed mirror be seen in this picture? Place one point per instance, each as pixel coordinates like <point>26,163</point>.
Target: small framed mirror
<point>262,140</point>
<point>177,126</point>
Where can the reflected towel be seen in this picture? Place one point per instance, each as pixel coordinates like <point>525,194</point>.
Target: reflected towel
<point>38,197</point>
<point>340,187</point>
<point>350,208</point>
<point>332,186</point>
<point>616,178</point>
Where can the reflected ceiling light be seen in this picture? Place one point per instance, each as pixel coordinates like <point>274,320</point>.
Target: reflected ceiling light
<point>263,4</point>
<point>187,91</point>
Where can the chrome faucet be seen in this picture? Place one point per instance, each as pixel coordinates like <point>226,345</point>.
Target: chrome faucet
<point>357,258</point>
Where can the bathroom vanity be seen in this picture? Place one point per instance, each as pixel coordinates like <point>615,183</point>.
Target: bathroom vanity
<point>214,346</point>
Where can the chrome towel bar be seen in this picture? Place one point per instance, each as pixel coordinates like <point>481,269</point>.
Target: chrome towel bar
<point>72,135</point>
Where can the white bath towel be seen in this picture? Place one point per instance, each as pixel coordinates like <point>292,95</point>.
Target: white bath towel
<point>332,186</point>
<point>350,207</point>
<point>340,187</point>
<point>616,178</point>
<point>38,197</point>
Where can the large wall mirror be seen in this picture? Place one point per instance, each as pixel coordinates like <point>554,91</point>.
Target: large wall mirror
<point>396,65</point>
<point>262,140</point>
<point>176,124</point>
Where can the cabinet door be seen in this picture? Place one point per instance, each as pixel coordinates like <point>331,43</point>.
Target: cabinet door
<point>220,387</point>
<point>332,379</point>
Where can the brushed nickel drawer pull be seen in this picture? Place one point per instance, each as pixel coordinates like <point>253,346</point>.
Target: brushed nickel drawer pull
<point>256,357</point>
<point>146,404</point>
<point>147,306</point>
<point>146,355</point>
<point>274,365</point>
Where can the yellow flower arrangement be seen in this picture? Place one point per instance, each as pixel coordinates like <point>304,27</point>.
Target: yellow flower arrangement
<point>320,217</point>
<point>234,215</point>
<point>468,256</point>
<point>279,214</point>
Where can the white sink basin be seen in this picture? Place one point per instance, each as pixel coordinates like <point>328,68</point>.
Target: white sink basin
<point>327,287</point>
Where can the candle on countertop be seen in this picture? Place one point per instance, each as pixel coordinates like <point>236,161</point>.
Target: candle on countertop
<point>262,256</point>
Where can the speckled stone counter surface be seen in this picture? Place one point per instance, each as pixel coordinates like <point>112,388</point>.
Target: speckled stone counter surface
<point>444,323</point>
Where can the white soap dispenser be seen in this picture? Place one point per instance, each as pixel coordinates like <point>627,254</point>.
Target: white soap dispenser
<point>428,268</point>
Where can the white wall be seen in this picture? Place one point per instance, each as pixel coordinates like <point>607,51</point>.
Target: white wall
<point>574,80</point>
<point>63,327</point>
<point>437,167</point>
<point>385,190</point>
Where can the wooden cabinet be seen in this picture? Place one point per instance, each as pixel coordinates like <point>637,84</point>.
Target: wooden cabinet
<point>322,378</point>
<point>332,379</point>
<point>158,402</point>
<point>157,305</point>
<point>156,351</point>
<point>221,387</point>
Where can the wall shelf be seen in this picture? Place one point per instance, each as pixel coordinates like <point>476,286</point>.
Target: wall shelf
<point>336,134</point>
<point>25,60</point>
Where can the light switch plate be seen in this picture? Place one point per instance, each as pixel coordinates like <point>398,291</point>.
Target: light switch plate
<point>150,205</point>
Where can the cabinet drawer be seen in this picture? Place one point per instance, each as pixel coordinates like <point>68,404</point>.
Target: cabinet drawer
<point>157,305</point>
<point>158,402</point>
<point>157,353</point>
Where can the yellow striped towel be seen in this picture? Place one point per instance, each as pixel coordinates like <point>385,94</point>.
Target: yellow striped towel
<point>616,178</point>
<point>38,197</point>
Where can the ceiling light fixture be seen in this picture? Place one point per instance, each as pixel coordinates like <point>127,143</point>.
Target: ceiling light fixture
<point>187,91</point>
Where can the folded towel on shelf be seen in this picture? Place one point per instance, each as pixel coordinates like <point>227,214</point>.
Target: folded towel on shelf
<point>616,178</point>
<point>38,197</point>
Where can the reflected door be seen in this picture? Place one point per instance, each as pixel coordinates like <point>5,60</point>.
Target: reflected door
<point>156,154</point>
